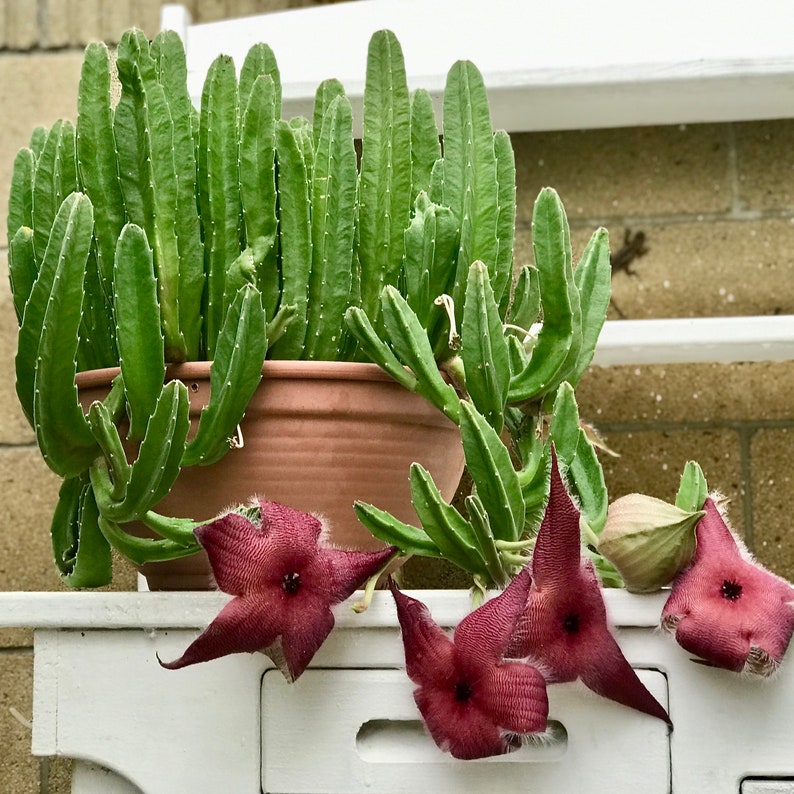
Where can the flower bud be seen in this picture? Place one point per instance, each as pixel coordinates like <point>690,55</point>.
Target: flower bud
<point>649,541</point>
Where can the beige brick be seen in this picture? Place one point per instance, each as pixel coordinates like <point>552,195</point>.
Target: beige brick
<point>147,16</point>
<point>765,162</point>
<point>700,269</point>
<point>85,21</point>
<point>117,16</point>
<point>616,172</point>
<point>3,27</point>
<point>14,428</point>
<point>245,8</point>
<point>58,775</point>
<point>652,461</point>
<point>687,393</point>
<point>35,89</point>
<point>19,770</point>
<point>30,492</point>
<point>771,452</point>
<point>210,10</point>
<point>56,30</point>
<point>22,25</point>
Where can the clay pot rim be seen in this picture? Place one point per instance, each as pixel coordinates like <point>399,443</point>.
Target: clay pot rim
<point>272,370</point>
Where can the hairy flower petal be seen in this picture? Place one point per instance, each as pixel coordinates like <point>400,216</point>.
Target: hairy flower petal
<point>428,650</point>
<point>236,629</point>
<point>482,637</point>
<point>460,728</point>
<point>615,679</point>
<point>285,580</point>
<point>514,696</point>
<point>726,608</point>
<point>563,626</point>
<point>472,700</point>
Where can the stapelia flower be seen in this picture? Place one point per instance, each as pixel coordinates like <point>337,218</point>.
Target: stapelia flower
<point>563,627</point>
<point>726,608</point>
<point>284,579</point>
<point>474,703</point>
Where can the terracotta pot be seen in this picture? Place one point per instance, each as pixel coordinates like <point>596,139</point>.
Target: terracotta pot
<point>316,436</point>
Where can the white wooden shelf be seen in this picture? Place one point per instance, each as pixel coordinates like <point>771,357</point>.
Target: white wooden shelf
<point>696,340</point>
<point>571,64</point>
<point>350,725</point>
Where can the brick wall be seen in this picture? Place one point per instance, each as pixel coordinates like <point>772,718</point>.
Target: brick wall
<point>716,203</point>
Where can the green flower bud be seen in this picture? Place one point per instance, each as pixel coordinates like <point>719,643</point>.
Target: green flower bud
<point>649,541</point>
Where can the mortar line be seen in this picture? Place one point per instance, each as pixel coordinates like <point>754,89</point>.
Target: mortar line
<point>745,473</point>
<point>20,650</point>
<point>665,426</point>
<point>737,206</point>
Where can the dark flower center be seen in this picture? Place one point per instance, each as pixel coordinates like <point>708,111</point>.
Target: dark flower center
<point>570,623</point>
<point>462,692</point>
<point>731,590</point>
<point>291,583</point>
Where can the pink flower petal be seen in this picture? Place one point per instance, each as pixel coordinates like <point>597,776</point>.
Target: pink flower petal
<point>471,700</point>
<point>460,728</point>
<point>563,629</point>
<point>513,695</point>
<point>559,536</point>
<point>482,637</point>
<point>349,570</point>
<point>726,608</point>
<point>301,640</point>
<point>429,652</point>
<point>221,539</point>
<point>238,628</point>
<point>614,678</point>
<point>285,580</point>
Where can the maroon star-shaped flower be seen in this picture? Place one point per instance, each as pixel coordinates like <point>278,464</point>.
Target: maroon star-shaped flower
<point>285,580</point>
<point>474,703</point>
<point>563,627</point>
<point>726,608</point>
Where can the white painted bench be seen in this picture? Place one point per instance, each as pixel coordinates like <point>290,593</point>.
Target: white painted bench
<point>350,725</point>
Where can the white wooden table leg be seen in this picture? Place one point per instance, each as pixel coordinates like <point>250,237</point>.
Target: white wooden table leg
<point>101,696</point>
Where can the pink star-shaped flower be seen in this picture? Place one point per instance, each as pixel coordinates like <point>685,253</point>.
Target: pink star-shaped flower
<point>726,608</point>
<point>563,627</point>
<point>285,580</point>
<point>474,703</point>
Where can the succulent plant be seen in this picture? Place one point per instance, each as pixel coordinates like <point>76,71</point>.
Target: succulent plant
<point>513,393</point>
<point>152,233</point>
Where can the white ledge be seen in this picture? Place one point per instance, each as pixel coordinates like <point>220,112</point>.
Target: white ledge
<point>696,340</point>
<point>85,610</point>
<point>572,64</point>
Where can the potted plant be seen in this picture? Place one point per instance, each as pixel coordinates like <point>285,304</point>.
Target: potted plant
<point>497,361</point>
<point>163,258</point>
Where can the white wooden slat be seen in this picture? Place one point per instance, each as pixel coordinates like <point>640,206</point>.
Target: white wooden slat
<point>192,610</point>
<point>692,340</point>
<point>364,733</point>
<point>572,64</point>
<point>174,16</point>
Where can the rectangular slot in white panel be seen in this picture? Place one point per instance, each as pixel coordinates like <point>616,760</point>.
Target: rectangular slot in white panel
<point>356,731</point>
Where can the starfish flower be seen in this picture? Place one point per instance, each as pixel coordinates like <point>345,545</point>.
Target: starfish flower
<point>473,701</point>
<point>563,626</point>
<point>284,579</point>
<point>726,608</point>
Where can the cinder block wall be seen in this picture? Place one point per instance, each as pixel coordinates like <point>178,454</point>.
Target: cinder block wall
<point>716,203</point>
